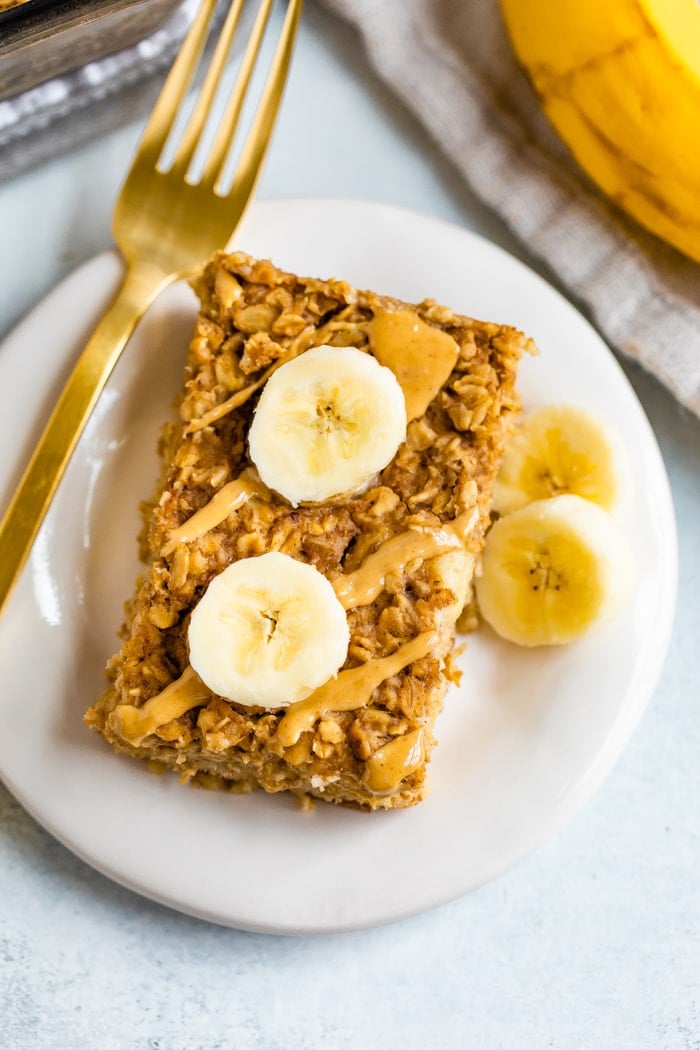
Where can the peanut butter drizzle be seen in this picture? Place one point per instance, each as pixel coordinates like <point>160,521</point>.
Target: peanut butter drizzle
<point>420,355</point>
<point>362,586</point>
<point>224,502</point>
<point>385,770</point>
<point>135,723</point>
<point>462,525</point>
<point>351,689</point>
<point>366,583</point>
<point>231,403</point>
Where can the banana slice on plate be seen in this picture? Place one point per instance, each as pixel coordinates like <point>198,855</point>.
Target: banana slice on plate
<point>326,423</point>
<point>561,449</point>
<point>268,631</point>
<point>553,570</point>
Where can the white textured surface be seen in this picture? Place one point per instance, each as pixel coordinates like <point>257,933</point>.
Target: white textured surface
<point>593,942</point>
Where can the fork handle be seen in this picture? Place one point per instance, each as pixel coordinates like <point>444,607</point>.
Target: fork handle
<point>36,489</point>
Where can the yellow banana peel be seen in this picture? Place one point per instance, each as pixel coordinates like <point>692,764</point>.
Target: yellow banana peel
<point>620,81</point>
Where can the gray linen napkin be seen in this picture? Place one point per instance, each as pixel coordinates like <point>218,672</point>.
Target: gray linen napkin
<point>451,63</point>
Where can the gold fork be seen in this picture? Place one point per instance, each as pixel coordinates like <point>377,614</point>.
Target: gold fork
<point>166,223</point>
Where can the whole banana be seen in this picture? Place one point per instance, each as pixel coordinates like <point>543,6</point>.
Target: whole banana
<point>621,84</point>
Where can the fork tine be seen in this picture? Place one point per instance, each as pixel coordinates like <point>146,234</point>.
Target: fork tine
<point>254,149</point>
<point>231,115</point>
<point>205,99</point>
<point>175,87</point>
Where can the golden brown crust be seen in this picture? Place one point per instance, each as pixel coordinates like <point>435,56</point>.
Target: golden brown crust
<point>253,315</point>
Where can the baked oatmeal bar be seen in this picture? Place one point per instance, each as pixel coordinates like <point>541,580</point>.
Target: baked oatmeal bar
<point>400,554</point>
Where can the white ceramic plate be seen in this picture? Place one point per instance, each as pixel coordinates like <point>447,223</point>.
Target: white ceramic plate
<point>524,741</point>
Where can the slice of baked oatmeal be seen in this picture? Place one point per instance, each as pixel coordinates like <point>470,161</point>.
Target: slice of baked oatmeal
<point>399,554</point>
